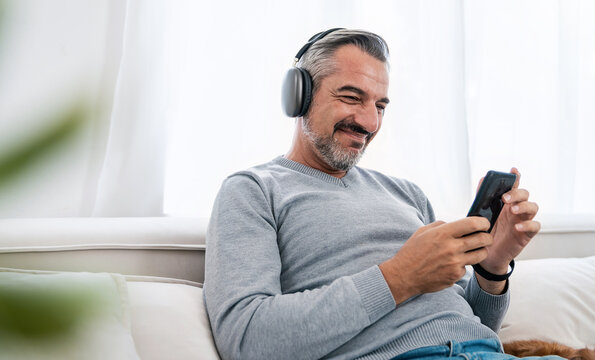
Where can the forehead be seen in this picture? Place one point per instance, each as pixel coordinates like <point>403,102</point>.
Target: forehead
<point>357,68</point>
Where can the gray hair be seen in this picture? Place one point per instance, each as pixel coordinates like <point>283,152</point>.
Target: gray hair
<point>318,60</point>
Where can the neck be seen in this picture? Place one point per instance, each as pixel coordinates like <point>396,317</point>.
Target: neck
<point>304,152</point>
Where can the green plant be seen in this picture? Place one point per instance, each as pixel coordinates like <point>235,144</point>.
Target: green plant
<point>15,161</point>
<point>65,126</point>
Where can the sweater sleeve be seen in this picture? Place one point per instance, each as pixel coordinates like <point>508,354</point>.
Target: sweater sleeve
<point>250,316</point>
<point>489,308</point>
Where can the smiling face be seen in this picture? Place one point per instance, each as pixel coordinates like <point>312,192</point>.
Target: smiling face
<point>345,114</point>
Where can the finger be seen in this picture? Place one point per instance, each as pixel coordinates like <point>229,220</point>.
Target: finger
<point>430,226</point>
<point>476,256</point>
<point>467,226</point>
<point>525,208</point>
<point>530,227</point>
<point>476,241</point>
<point>517,181</point>
<point>515,196</point>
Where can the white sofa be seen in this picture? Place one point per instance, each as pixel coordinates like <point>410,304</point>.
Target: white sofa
<point>161,262</point>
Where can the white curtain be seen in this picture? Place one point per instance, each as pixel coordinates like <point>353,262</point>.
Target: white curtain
<point>131,180</point>
<point>234,58</point>
<point>55,56</point>
<point>530,80</point>
<point>193,94</point>
<point>475,85</point>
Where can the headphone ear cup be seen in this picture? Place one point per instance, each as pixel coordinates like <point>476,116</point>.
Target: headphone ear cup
<point>291,96</point>
<point>296,93</point>
<point>307,91</point>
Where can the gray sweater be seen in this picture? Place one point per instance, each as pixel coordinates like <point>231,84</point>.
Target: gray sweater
<point>292,269</point>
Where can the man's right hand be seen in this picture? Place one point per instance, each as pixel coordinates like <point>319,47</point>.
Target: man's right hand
<point>435,256</point>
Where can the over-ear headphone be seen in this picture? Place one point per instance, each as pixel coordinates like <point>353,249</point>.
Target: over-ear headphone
<point>297,85</point>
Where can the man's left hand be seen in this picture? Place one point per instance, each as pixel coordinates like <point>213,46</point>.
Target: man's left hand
<point>513,230</point>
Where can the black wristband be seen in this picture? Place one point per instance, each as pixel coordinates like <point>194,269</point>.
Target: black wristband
<point>493,277</point>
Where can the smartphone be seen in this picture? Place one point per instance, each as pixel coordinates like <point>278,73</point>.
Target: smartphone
<point>488,201</point>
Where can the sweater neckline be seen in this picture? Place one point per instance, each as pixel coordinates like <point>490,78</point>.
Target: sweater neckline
<point>294,165</point>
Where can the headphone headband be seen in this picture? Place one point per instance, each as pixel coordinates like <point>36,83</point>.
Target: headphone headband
<point>311,41</point>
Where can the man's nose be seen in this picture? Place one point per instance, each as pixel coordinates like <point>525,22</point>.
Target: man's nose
<point>369,118</point>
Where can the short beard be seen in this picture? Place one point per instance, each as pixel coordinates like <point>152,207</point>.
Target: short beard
<point>331,151</point>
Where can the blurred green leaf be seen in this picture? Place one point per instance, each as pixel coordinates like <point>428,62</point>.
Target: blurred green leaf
<point>43,311</point>
<point>40,307</point>
<point>18,160</point>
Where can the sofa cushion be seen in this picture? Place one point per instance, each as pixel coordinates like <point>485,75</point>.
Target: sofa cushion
<point>552,300</point>
<point>46,315</point>
<point>169,320</point>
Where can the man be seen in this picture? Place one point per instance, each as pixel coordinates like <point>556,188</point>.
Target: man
<point>312,257</point>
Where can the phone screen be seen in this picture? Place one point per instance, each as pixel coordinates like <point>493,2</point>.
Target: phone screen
<point>488,201</point>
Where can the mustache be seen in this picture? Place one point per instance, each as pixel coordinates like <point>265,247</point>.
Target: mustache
<point>348,125</point>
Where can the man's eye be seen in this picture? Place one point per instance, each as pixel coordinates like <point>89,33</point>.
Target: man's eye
<point>349,99</point>
<point>380,108</point>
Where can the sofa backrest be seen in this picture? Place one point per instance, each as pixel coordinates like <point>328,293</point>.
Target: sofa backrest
<point>156,246</point>
<point>175,247</point>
